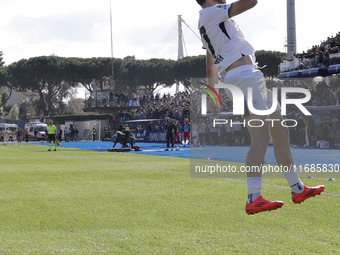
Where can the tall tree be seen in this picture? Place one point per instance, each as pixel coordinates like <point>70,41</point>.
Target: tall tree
<point>48,76</point>
<point>270,59</point>
<point>4,83</point>
<point>4,95</point>
<point>14,113</point>
<point>190,67</point>
<point>151,74</point>
<point>90,69</point>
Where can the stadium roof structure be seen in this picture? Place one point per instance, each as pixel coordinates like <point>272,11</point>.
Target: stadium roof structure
<point>313,72</point>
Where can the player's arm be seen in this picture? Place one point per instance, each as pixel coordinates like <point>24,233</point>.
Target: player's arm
<point>213,78</point>
<point>211,70</point>
<point>241,6</point>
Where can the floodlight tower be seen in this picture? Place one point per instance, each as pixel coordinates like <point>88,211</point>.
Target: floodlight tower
<point>112,61</point>
<point>180,38</point>
<point>291,29</point>
<point>180,44</point>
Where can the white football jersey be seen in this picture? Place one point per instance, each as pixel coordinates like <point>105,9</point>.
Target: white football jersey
<point>222,36</point>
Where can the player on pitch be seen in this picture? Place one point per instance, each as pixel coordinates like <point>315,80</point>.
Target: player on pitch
<point>51,130</point>
<point>231,57</point>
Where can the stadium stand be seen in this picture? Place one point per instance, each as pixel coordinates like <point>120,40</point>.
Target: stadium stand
<point>324,104</point>
<point>321,60</point>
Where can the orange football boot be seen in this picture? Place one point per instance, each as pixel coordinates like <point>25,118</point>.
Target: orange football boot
<point>261,205</point>
<point>307,193</point>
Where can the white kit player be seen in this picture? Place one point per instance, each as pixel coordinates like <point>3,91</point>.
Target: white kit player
<point>231,58</point>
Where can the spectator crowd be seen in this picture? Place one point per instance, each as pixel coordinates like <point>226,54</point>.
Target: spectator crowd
<point>318,56</point>
<point>184,104</point>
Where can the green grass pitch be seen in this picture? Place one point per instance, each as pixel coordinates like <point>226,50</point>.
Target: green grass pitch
<point>85,202</point>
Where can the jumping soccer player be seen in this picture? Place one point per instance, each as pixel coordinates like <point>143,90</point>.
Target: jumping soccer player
<point>51,130</point>
<point>231,57</point>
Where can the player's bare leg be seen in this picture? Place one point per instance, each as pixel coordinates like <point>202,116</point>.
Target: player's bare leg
<point>255,159</point>
<point>284,158</point>
<point>281,143</point>
<point>259,143</point>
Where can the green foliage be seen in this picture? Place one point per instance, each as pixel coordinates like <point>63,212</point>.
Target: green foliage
<point>14,113</point>
<point>151,73</point>
<point>3,76</point>
<point>54,78</point>
<point>75,106</point>
<point>49,76</point>
<point>271,59</point>
<point>4,83</point>
<point>3,73</point>
<point>190,67</point>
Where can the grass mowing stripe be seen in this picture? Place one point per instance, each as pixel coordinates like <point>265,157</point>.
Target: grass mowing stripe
<point>161,169</point>
<point>177,172</point>
<point>126,164</point>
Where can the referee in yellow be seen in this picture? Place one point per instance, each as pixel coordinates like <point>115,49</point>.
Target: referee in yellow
<point>51,130</point>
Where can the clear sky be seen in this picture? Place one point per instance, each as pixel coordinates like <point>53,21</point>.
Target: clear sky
<point>146,29</point>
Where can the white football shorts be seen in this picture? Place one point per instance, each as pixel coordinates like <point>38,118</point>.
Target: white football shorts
<point>248,76</point>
